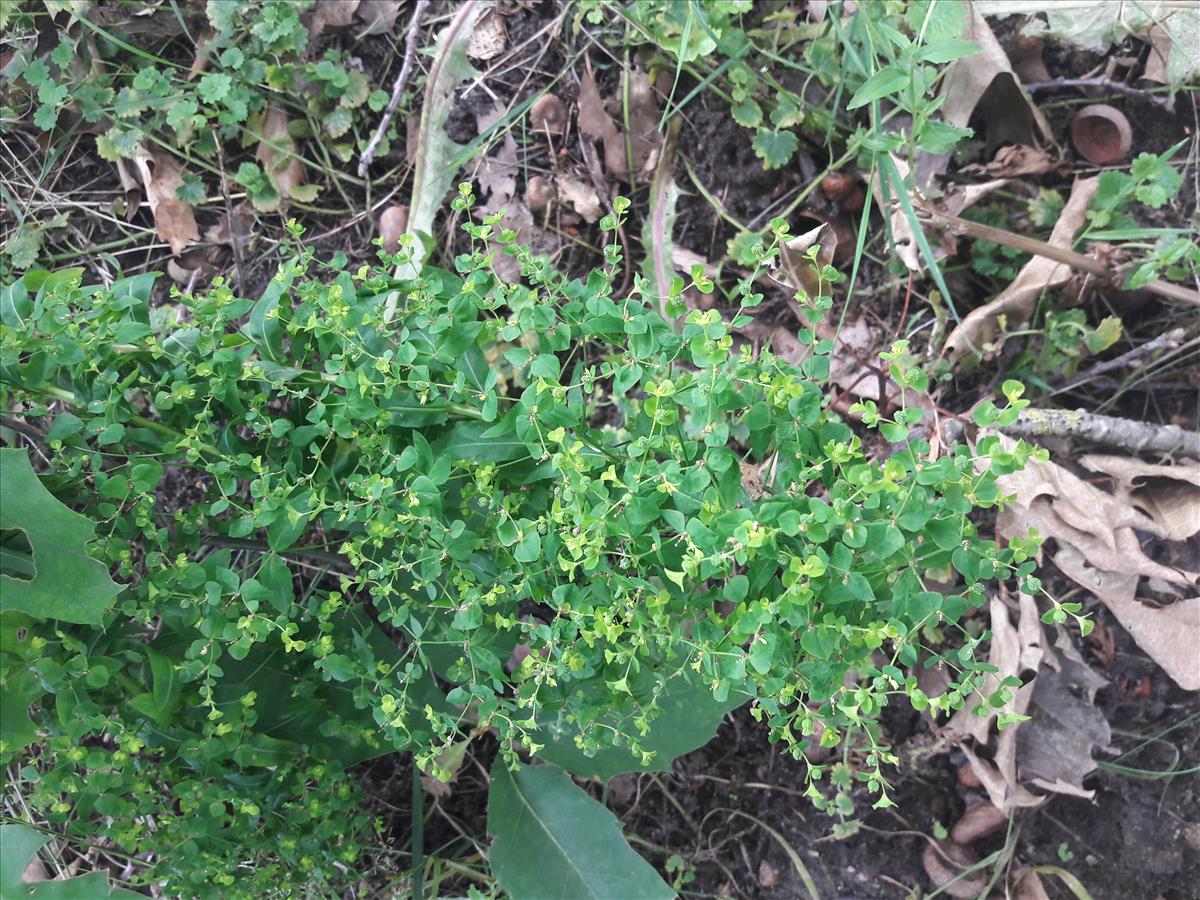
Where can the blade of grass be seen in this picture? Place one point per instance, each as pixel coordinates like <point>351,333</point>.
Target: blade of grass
<point>888,166</point>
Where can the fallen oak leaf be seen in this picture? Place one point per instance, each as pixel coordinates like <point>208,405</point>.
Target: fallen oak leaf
<point>174,220</point>
<point>330,14</point>
<point>378,16</point>
<point>1168,634</point>
<point>1168,495</point>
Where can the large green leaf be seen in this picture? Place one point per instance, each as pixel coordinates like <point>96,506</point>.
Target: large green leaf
<point>688,719</point>
<point>18,844</point>
<point>67,584</point>
<point>554,842</point>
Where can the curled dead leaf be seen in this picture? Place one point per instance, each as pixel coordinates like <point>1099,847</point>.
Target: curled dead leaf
<point>1169,634</point>
<point>162,174</point>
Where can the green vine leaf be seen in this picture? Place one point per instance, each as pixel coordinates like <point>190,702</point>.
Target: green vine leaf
<point>554,841</point>
<point>67,584</point>
<point>18,845</point>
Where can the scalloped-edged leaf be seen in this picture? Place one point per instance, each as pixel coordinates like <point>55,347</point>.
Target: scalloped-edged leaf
<point>775,148</point>
<point>554,842</point>
<point>18,845</point>
<point>67,584</point>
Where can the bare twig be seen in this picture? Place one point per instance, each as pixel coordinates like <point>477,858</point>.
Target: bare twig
<point>1169,340</point>
<point>1103,82</point>
<point>234,239</point>
<point>1110,431</point>
<point>410,55</point>
<point>1176,292</point>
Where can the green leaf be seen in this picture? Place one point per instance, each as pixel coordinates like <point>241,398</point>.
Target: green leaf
<point>886,81</point>
<point>747,113</point>
<point>688,719</point>
<point>68,585</point>
<point>18,845</point>
<point>947,50</point>
<point>18,689</point>
<point>554,842</point>
<point>775,148</point>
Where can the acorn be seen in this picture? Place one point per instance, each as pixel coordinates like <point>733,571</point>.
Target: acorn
<point>538,193</point>
<point>1101,134</point>
<point>844,189</point>
<point>548,114</point>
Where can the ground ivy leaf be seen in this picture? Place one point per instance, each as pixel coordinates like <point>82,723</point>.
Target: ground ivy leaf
<point>68,585</point>
<point>775,148</point>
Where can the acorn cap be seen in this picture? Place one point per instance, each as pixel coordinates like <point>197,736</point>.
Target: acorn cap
<point>1101,134</point>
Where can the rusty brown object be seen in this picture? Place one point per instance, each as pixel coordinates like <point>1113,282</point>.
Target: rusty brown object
<point>1101,134</point>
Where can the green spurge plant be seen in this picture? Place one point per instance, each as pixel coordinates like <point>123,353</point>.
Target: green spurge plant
<point>360,515</point>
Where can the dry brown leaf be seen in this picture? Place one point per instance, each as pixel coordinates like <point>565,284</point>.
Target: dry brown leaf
<point>1160,51</point>
<point>643,119</point>
<point>132,188</point>
<point>276,154</point>
<point>1170,635</point>
<point>327,14</point>
<point>1168,495</point>
<point>947,865</point>
<point>1055,746</point>
<point>985,84</point>
<point>161,174</point>
<point>581,196</point>
<point>490,37</point>
<point>393,222</point>
<point>1103,527</point>
<point>377,15</point>
<point>1028,886</point>
<point>1016,302</point>
<point>1020,159</point>
<point>597,124</point>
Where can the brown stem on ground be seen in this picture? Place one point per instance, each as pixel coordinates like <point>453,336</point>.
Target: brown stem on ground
<point>1164,289</point>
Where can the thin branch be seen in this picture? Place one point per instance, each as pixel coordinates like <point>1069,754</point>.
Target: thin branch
<point>1103,82</point>
<point>410,55</point>
<point>1176,292</point>
<point>234,238</point>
